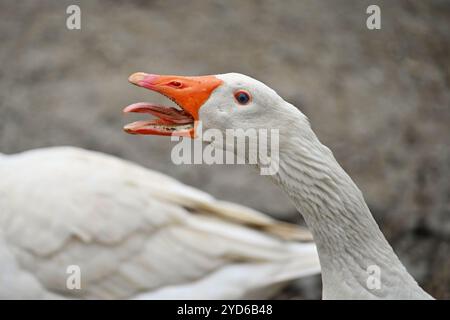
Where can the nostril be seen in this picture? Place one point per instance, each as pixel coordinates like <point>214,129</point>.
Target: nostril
<point>175,83</point>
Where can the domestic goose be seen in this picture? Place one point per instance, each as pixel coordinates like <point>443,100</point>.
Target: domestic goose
<point>133,233</point>
<point>352,249</point>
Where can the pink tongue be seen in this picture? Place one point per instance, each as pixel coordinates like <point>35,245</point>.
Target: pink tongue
<point>169,114</point>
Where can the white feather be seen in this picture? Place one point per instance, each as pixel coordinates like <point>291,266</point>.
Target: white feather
<point>132,231</point>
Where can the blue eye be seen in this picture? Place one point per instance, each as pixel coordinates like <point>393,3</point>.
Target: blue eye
<point>241,96</point>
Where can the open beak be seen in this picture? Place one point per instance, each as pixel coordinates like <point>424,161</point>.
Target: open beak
<point>189,93</point>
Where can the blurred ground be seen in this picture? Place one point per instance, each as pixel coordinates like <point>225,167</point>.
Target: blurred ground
<point>379,99</point>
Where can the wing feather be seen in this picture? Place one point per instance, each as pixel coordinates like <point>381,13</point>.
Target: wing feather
<point>129,229</point>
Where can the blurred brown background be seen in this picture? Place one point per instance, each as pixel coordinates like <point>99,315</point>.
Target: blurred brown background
<point>379,99</point>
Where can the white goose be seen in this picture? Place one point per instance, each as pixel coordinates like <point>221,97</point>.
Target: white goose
<point>134,233</point>
<point>349,242</point>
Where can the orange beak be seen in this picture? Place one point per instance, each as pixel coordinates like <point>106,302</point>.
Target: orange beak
<point>190,93</point>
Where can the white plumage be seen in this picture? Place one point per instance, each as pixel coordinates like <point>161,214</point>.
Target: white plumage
<point>134,233</point>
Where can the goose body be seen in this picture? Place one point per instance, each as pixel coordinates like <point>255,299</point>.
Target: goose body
<point>357,262</point>
<point>133,233</point>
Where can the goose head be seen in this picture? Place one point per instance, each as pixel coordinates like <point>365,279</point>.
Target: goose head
<point>225,101</point>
